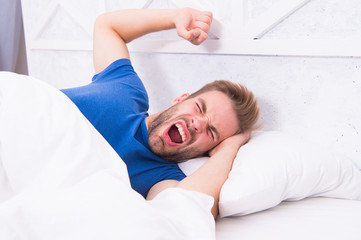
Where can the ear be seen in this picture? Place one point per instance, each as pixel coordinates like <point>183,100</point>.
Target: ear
<point>180,99</point>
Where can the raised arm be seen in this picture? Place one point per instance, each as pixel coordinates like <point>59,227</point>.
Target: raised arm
<point>112,31</point>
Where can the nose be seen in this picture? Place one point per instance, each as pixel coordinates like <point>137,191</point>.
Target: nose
<point>199,123</point>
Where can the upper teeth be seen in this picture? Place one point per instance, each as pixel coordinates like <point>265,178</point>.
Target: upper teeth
<point>181,131</point>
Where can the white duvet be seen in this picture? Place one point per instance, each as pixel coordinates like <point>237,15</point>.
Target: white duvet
<point>59,179</point>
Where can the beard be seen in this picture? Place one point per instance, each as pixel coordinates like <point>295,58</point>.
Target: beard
<point>157,145</point>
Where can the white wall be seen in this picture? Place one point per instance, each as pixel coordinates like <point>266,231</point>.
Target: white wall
<point>305,70</point>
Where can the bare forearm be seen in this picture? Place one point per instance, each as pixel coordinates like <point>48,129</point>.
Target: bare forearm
<point>210,178</point>
<point>133,23</point>
<point>112,31</point>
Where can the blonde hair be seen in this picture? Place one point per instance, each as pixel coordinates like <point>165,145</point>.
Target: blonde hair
<point>244,102</point>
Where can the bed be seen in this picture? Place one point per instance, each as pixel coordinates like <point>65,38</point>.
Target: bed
<point>311,218</point>
<point>59,179</point>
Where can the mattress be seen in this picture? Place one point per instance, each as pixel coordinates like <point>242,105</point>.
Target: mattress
<point>312,218</point>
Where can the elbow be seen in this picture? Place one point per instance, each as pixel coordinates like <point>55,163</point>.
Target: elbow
<point>100,22</point>
<point>107,24</point>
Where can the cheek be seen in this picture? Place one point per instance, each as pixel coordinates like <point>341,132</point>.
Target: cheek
<point>204,142</point>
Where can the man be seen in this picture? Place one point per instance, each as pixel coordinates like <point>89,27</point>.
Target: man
<point>205,122</point>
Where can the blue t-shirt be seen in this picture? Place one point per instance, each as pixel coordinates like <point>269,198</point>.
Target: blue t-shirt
<point>116,103</point>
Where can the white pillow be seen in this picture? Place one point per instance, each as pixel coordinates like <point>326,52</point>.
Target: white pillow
<point>273,167</point>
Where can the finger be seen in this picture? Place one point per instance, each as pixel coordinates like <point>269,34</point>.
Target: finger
<point>194,35</point>
<point>201,38</point>
<point>191,36</point>
<point>203,26</point>
<point>184,33</point>
<point>204,18</point>
<point>208,14</point>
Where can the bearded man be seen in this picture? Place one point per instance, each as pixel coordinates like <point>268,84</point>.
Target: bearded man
<point>215,121</point>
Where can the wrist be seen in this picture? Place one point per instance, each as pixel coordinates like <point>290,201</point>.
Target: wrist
<point>168,17</point>
<point>177,14</point>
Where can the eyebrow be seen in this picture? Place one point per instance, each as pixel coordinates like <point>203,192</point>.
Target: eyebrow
<point>204,108</point>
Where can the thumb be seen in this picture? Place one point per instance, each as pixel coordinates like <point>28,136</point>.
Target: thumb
<point>189,35</point>
<point>195,33</point>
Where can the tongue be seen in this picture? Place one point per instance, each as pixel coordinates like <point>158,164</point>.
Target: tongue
<point>174,134</point>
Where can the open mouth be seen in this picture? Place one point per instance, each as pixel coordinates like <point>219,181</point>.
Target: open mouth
<point>176,134</point>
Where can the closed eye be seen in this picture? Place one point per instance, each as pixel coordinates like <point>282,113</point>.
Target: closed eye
<point>202,108</point>
<point>211,133</point>
<point>199,108</point>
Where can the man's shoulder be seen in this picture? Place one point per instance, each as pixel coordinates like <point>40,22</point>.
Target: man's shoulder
<point>117,69</point>
<point>122,72</point>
